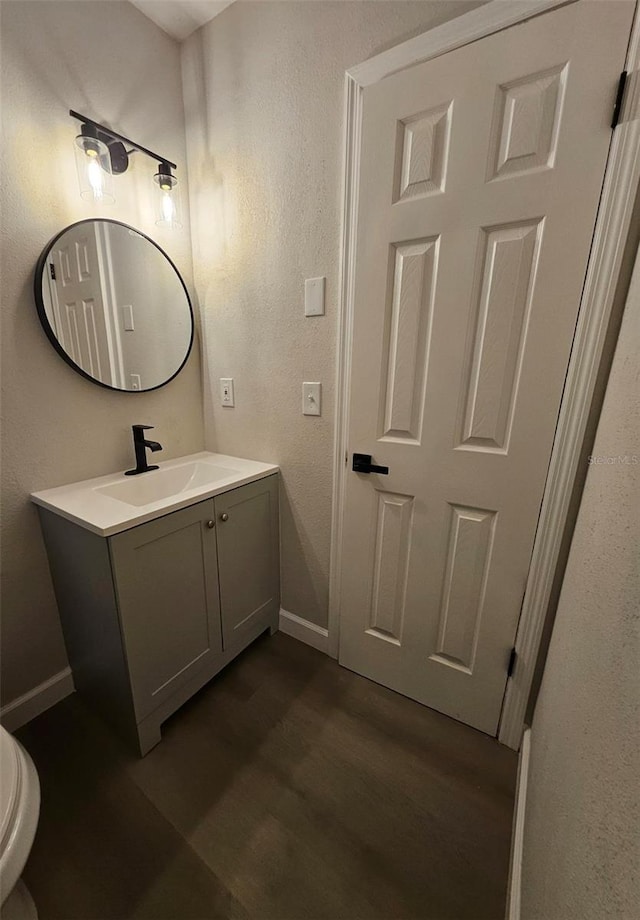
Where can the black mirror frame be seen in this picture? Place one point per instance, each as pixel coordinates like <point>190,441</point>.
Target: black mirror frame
<point>44,320</point>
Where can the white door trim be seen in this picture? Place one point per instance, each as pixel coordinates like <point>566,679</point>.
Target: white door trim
<point>493,17</point>
<point>514,886</point>
<point>621,179</point>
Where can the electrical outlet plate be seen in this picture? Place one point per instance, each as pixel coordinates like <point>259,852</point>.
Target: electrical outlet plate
<point>226,392</point>
<point>127,318</point>
<point>314,296</point>
<point>311,398</point>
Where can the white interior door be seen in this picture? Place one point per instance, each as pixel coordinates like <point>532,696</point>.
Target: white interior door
<point>480,176</point>
<point>79,302</point>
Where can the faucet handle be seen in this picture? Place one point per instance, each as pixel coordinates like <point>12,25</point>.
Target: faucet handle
<point>141,427</point>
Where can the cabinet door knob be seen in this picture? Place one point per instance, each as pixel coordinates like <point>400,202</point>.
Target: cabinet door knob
<point>211,524</point>
<point>224,516</point>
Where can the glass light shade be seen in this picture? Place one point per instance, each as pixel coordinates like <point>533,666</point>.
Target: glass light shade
<point>167,201</point>
<point>94,170</point>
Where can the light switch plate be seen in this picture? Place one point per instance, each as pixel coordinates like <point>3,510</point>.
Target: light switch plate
<point>226,392</point>
<point>127,318</point>
<point>135,382</point>
<point>314,296</point>
<point>311,399</point>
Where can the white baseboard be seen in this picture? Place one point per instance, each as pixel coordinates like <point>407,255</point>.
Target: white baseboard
<point>309,633</point>
<point>31,704</point>
<point>517,838</point>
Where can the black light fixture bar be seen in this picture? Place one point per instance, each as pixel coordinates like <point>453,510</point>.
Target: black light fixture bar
<point>120,137</point>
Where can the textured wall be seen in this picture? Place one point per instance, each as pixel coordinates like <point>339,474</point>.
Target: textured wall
<point>263,87</point>
<point>582,847</point>
<point>106,60</point>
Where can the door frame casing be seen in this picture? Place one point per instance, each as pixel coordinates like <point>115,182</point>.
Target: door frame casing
<point>621,179</point>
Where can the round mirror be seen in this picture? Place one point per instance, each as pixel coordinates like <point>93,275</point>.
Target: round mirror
<point>114,306</point>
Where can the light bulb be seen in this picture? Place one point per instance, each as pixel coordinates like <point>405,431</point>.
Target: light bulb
<point>93,164</point>
<point>167,198</point>
<point>94,175</point>
<point>168,207</point>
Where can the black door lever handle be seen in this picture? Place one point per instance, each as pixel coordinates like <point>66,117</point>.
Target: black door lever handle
<point>362,464</point>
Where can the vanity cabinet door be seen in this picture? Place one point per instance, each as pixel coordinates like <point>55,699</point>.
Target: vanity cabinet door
<point>249,557</point>
<point>166,577</point>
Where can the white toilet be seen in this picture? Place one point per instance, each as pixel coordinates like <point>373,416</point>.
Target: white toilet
<point>19,810</point>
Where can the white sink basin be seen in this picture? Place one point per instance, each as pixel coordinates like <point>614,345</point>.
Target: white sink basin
<point>111,504</point>
<point>164,483</point>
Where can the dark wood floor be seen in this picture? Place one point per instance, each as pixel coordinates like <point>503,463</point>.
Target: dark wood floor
<point>288,789</point>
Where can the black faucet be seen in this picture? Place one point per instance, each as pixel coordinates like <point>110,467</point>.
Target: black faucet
<point>140,444</point>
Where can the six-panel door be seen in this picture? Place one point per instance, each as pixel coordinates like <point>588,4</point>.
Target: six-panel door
<point>79,314</point>
<point>480,176</point>
<point>166,577</point>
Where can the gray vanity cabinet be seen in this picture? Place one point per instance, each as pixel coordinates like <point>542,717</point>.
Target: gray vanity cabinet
<point>166,582</point>
<point>247,527</point>
<point>154,612</point>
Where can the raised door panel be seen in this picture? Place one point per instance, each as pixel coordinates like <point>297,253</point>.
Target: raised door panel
<point>166,584</point>
<point>470,541</point>
<point>390,567</point>
<point>408,332</point>
<point>505,289</point>
<point>421,157</point>
<point>527,123</point>
<point>249,560</point>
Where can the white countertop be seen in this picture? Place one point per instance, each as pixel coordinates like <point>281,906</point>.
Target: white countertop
<point>86,503</point>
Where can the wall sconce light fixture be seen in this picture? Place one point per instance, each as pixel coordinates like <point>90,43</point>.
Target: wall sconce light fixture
<point>102,153</point>
<point>94,166</point>
<point>169,206</point>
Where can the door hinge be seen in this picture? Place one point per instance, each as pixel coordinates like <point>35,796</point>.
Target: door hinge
<point>617,108</point>
<point>512,662</point>
<point>52,270</point>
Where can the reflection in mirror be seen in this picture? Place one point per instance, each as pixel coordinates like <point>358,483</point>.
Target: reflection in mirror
<point>114,305</point>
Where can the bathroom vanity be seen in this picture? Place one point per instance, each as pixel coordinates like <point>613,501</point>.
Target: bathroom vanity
<point>161,580</point>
